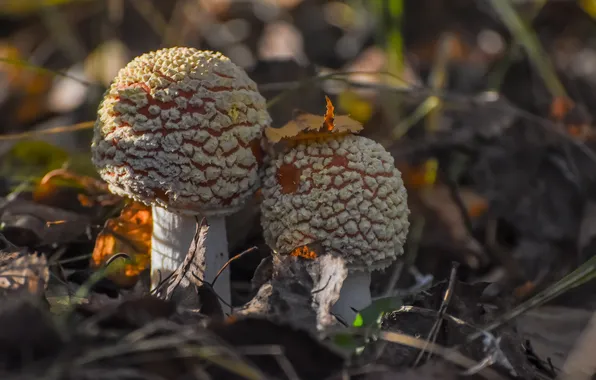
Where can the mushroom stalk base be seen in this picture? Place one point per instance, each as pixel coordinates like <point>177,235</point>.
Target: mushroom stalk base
<point>217,256</point>
<point>355,293</point>
<point>171,238</point>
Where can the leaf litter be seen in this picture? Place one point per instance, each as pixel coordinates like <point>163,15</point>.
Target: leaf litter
<point>517,195</point>
<point>289,315</point>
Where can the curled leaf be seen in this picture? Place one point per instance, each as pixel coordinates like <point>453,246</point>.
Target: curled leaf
<point>90,191</point>
<point>129,233</point>
<point>307,126</point>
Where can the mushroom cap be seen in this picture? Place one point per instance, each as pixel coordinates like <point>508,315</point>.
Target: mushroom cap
<point>181,128</point>
<point>344,193</point>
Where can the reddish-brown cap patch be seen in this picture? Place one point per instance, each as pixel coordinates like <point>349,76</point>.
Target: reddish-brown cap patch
<point>288,176</point>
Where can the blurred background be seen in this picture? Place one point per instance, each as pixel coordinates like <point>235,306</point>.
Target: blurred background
<point>486,105</point>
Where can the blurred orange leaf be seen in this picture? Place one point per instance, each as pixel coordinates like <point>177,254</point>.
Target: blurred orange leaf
<point>418,176</point>
<point>27,87</point>
<point>308,251</point>
<point>129,233</point>
<point>92,190</point>
<point>308,126</point>
<point>304,252</point>
<point>524,290</point>
<point>560,107</point>
<point>564,110</point>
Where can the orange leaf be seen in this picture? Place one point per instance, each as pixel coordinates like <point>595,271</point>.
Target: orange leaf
<point>89,189</point>
<point>414,176</point>
<point>130,233</point>
<point>524,290</point>
<point>329,115</point>
<point>304,252</point>
<point>308,126</point>
<point>560,107</point>
<point>308,251</point>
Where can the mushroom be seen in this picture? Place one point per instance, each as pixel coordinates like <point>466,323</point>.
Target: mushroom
<point>181,129</point>
<point>344,193</point>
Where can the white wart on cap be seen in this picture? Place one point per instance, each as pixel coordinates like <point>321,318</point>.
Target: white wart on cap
<point>180,129</point>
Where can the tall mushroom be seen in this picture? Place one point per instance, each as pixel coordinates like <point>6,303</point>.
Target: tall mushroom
<point>345,193</point>
<point>180,129</point>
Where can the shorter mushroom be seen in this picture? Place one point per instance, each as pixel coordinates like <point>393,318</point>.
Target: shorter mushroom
<point>180,129</point>
<point>345,193</point>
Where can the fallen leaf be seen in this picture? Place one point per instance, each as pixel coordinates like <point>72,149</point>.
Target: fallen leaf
<point>420,175</point>
<point>182,287</point>
<point>525,290</point>
<point>304,252</point>
<point>450,228</point>
<point>303,353</point>
<point>560,107</point>
<point>29,224</point>
<point>129,233</point>
<point>22,271</point>
<point>300,292</point>
<point>574,117</point>
<point>309,251</point>
<point>133,312</point>
<point>553,330</point>
<point>90,191</point>
<point>308,126</point>
<point>433,370</point>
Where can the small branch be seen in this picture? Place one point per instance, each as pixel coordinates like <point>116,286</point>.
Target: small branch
<point>434,331</point>
<point>249,250</point>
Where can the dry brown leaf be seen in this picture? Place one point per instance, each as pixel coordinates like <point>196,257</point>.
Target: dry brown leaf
<point>28,223</point>
<point>23,271</point>
<point>438,200</point>
<point>129,233</point>
<point>308,126</point>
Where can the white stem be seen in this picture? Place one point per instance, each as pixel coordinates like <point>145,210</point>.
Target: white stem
<point>172,235</point>
<point>171,239</point>
<point>355,293</point>
<point>217,255</point>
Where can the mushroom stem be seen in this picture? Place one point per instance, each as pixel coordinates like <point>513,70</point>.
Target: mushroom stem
<point>355,293</point>
<point>170,241</point>
<point>172,235</point>
<point>217,256</point>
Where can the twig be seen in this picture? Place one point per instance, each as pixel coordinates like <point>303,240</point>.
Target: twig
<point>249,250</point>
<point>447,353</point>
<point>434,331</point>
<point>207,284</point>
